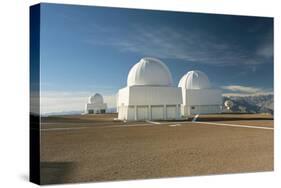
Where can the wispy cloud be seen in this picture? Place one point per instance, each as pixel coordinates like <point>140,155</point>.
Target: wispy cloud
<point>243,89</point>
<point>238,90</point>
<point>195,46</point>
<point>266,50</point>
<point>246,94</point>
<point>57,101</point>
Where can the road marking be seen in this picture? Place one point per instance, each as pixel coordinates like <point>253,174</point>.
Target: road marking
<point>134,125</point>
<point>153,122</point>
<point>93,126</point>
<point>163,123</point>
<point>233,125</point>
<point>106,124</point>
<point>195,117</point>
<point>174,125</point>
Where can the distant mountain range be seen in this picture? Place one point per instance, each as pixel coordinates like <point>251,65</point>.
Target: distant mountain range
<point>251,103</point>
<point>76,112</point>
<point>63,113</point>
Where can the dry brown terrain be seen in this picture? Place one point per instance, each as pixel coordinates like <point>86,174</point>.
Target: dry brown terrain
<point>97,148</point>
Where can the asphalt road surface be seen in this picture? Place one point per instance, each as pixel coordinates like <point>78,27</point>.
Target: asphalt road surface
<point>99,148</point>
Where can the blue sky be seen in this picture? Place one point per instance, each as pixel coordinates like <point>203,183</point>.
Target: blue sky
<point>87,49</point>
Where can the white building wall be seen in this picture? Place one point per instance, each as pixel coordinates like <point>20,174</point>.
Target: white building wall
<point>148,102</point>
<point>201,101</point>
<point>123,97</point>
<point>203,97</point>
<point>95,107</point>
<point>149,95</point>
<point>203,109</point>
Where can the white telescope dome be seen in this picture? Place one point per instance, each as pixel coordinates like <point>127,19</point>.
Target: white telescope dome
<point>96,99</point>
<point>149,71</point>
<point>228,104</point>
<point>195,80</point>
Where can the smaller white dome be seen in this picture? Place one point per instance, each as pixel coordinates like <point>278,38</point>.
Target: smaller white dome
<point>96,99</point>
<point>150,72</point>
<point>228,104</point>
<point>194,80</point>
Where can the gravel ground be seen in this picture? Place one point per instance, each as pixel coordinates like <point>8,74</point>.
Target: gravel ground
<point>100,152</point>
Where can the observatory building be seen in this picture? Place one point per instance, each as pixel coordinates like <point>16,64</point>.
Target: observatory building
<point>149,94</point>
<point>95,105</point>
<point>198,95</point>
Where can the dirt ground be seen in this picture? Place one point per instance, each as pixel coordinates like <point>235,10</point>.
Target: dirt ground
<point>98,148</point>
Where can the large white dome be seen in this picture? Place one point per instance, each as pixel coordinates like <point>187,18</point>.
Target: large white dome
<point>194,80</point>
<point>149,71</point>
<point>96,99</point>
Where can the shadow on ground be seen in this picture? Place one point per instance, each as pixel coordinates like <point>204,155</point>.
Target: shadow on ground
<point>56,172</point>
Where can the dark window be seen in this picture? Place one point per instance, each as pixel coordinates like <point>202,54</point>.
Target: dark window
<point>192,107</point>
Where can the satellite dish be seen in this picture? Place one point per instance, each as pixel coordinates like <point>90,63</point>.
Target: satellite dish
<point>228,104</point>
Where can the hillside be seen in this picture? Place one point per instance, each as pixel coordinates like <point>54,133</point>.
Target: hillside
<point>252,104</point>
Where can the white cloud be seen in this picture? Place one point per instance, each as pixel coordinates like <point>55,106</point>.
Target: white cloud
<point>246,94</point>
<point>57,101</point>
<point>266,50</point>
<point>169,43</point>
<point>242,89</point>
<point>238,90</point>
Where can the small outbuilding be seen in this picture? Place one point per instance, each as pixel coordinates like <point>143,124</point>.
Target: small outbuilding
<point>198,95</point>
<point>95,105</point>
<point>149,94</point>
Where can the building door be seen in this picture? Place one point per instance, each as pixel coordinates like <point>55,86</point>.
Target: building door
<point>142,112</point>
<point>130,113</point>
<point>157,112</point>
<point>172,112</point>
